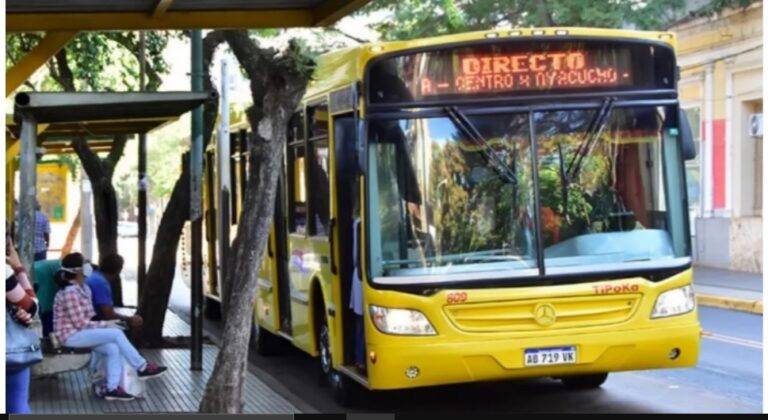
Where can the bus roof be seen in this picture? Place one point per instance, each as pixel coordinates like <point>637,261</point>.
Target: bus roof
<point>341,68</point>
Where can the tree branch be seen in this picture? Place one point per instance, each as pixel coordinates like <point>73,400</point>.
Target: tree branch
<point>352,37</point>
<point>115,153</point>
<point>513,17</point>
<point>254,60</point>
<point>210,44</point>
<point>153,77</point>
<point>52,70</point>
<point>90,161</point>
<point>257,66</point>
<point>545,14</point>
<point>65,79</point>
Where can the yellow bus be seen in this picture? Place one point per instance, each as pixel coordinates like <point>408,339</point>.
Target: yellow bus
<point>522,212</point>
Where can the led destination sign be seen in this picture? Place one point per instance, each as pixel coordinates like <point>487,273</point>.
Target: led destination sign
<point>479,74</point>
<point>521,67</point>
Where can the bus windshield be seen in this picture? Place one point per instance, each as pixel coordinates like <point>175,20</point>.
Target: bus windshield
<point>459,194</point>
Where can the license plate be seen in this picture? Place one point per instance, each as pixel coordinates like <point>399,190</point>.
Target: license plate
<point>550,356</point>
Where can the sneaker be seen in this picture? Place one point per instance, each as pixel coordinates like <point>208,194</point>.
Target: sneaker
<point>152,370</point>
<point>118,394</point>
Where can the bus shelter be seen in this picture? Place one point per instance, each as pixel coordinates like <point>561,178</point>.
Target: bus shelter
<point>62,21</point>
<point>48,121</point>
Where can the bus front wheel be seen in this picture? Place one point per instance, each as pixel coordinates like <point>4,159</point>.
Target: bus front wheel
<point>584,381</point>
<point>345,390</point>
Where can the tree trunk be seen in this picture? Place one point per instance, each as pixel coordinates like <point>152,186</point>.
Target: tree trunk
<point>162,268</point>
<point>545,15</point>
<point>104,199</point>
<point>105,213</point>
<point>154,299</point>
<point>277,85</point>
<point>72,234</point>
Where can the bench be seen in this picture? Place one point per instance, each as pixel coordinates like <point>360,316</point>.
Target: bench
<point>59,359</point>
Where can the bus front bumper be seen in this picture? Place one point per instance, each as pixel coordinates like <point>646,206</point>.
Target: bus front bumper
<point>410,365</point>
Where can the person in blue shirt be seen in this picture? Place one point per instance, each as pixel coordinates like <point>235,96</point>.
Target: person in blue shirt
<point>99,282</point>
<point>42,233</point>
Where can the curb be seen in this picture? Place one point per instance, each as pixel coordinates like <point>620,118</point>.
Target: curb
<point>736,304</point>
<point>268,380</point>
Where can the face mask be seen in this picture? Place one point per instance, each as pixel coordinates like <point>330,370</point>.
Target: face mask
<point>87,269</point>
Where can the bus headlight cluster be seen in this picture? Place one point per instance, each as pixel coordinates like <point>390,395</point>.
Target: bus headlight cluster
<point>401,321</point>
<point>674,302</point>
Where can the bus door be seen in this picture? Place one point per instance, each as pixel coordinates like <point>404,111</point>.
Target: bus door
<point>347,192</point>
<point>282,260</point>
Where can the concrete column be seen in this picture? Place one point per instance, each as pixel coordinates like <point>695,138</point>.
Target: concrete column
<point>27,194</point>
<point>86,222</point>
<point>729,141</point>
<point>708,149</point>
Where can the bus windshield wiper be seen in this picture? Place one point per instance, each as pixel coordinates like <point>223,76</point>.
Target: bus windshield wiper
<point>469,129</point>
<point>586,145</point>
<point>590,138</point>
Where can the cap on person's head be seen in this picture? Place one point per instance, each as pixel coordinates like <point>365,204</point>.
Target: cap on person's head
<point>73,263</point>
<point>111,264</point>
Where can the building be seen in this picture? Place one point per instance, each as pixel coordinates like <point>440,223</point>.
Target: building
<point>721,89</point>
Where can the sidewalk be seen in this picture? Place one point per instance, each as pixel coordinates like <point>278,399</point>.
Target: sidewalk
<point>179,391</point>
<point>726,289</point>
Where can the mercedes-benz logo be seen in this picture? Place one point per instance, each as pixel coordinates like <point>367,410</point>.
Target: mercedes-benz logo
<point>545,314</point>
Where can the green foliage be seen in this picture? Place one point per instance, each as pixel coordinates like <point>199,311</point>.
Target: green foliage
<point>716,6</point>
<point>421,18</point>
<point>73,164</point>
<point>164,151</point>
<point>97,61</point>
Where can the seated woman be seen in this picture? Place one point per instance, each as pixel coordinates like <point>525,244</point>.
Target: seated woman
<point>73,325</point>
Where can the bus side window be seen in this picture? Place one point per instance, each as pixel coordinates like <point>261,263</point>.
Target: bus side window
<point>318,166</point>
<point>297,190</point>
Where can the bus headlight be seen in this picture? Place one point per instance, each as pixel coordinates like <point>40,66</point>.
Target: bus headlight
<point>674,302</point>
<point>401,321</point>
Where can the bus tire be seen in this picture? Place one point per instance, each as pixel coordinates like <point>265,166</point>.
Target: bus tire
<point>584,381</point>
<point>324,348</point>
<point>264,342</point>
<point>346,392</point>
<point>212,309</point>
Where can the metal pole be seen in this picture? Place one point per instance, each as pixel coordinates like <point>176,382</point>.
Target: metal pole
<point>196,204</point>
<point>224,170</point>
<point>86,232</point>
<point>28,175</point>
<point>142,181</point>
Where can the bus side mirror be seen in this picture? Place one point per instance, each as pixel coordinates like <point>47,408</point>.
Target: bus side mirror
<point>686,134</point>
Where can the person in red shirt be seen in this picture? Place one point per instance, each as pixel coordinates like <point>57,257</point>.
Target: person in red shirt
<point>74,327</point>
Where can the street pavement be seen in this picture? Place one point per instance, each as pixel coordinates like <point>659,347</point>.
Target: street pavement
<point>727,379</point>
